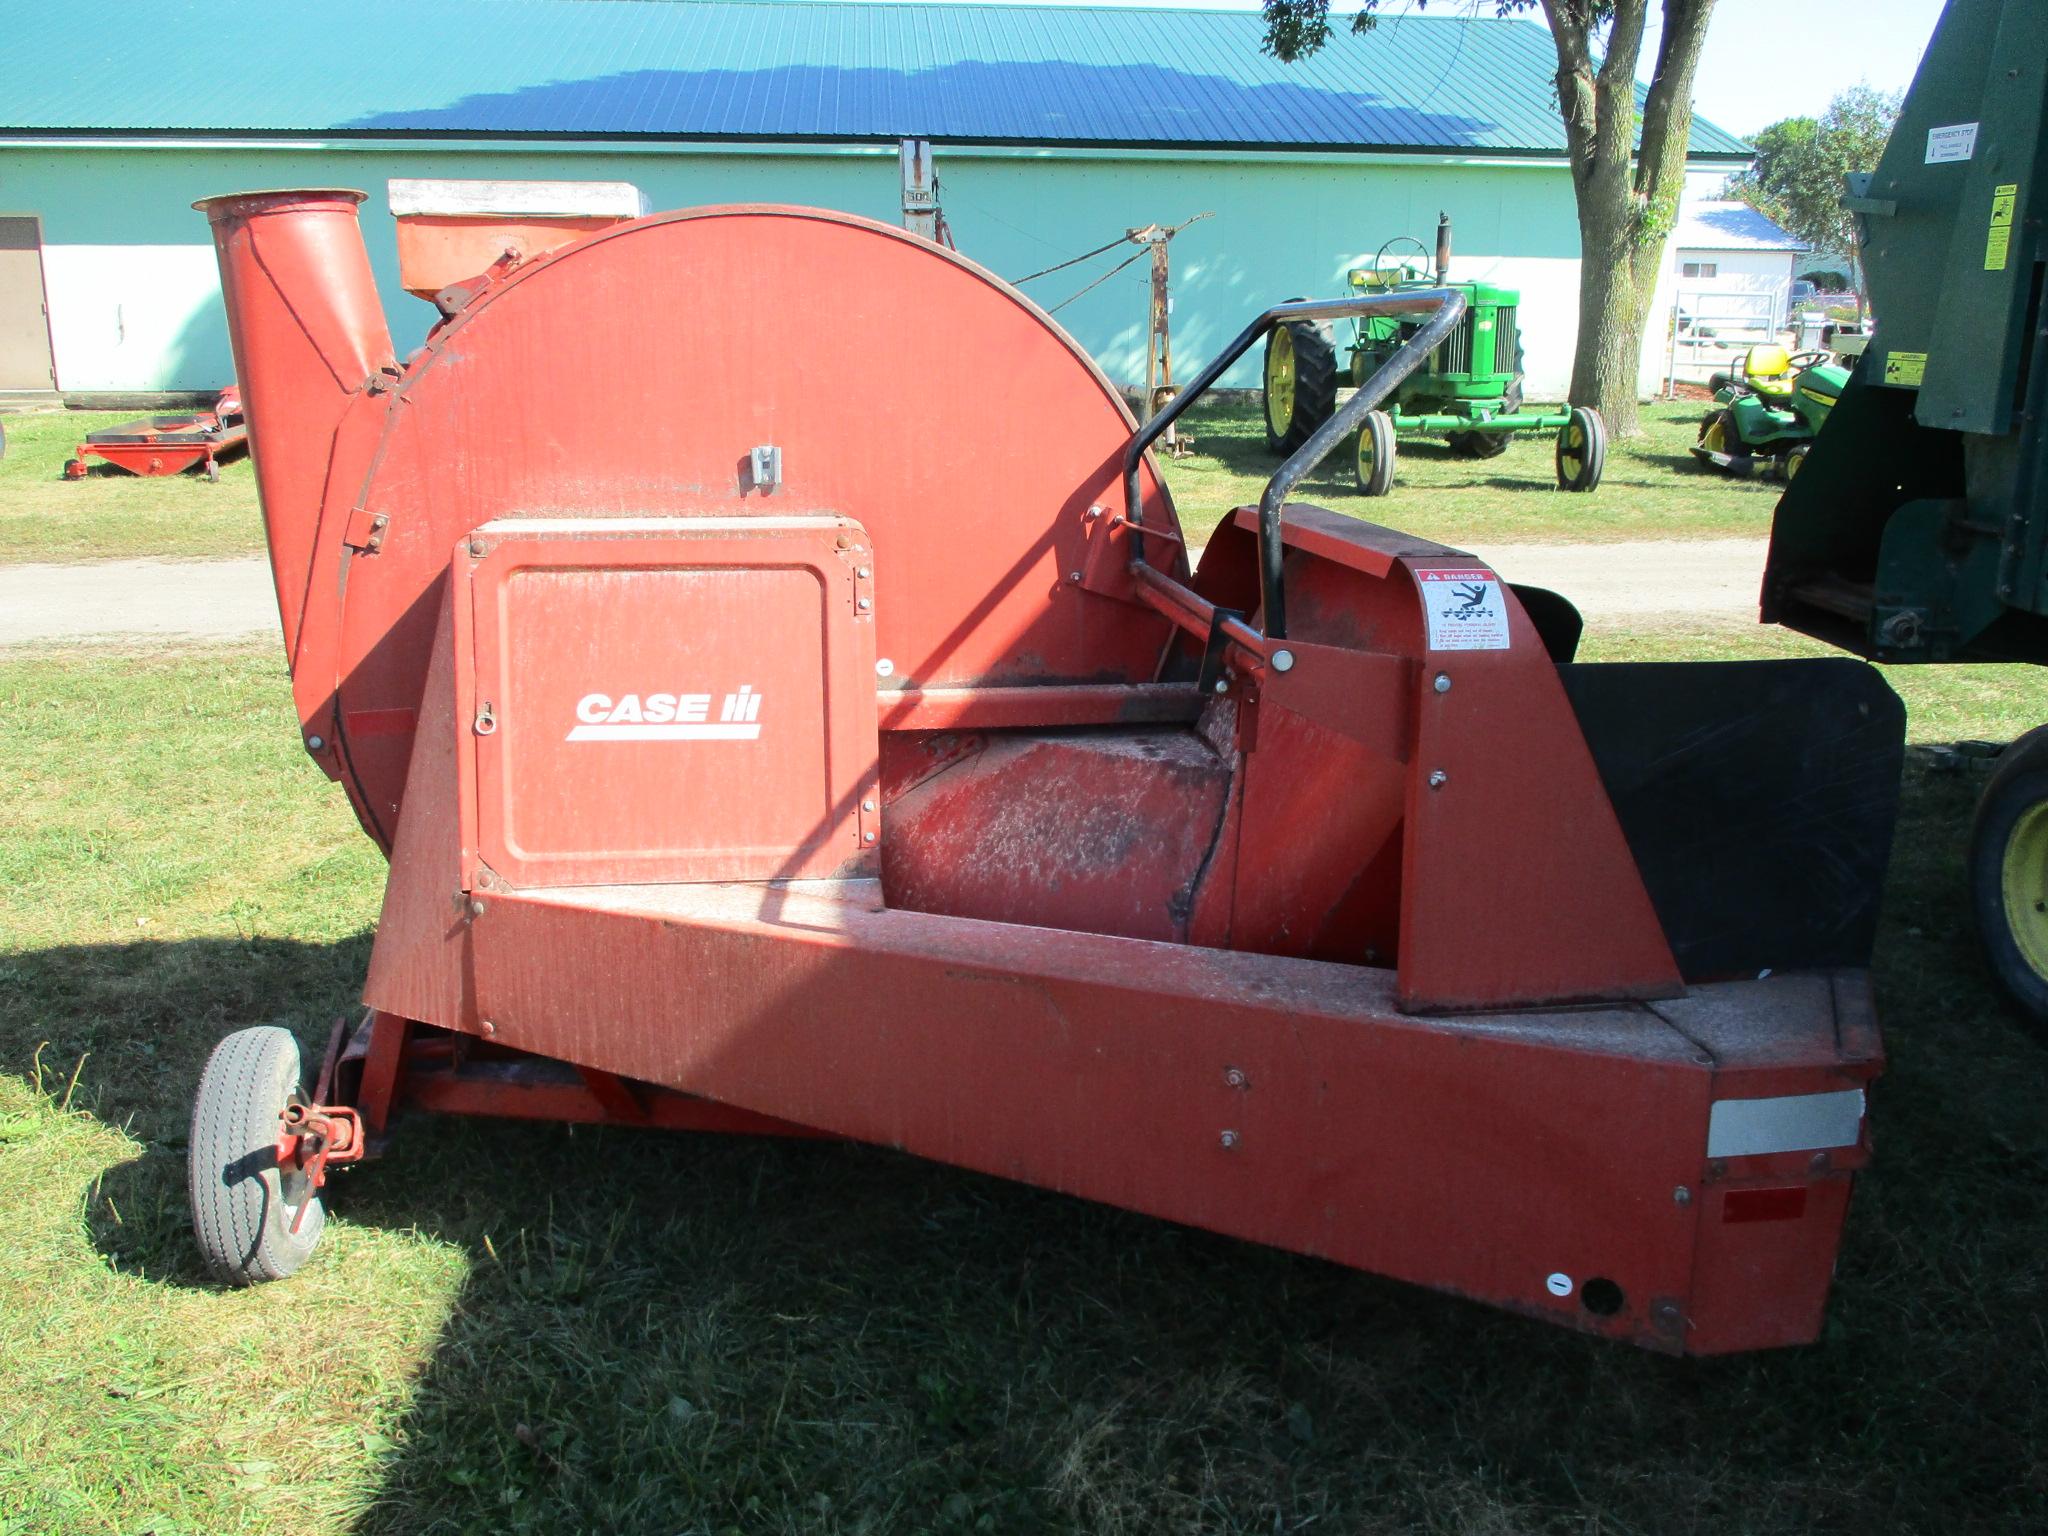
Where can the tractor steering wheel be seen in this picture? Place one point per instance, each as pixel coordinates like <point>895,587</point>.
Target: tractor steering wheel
<point>1810,359</point>
<point>1379,257</point>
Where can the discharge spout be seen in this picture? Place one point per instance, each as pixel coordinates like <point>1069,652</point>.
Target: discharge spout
<point>308,333</point>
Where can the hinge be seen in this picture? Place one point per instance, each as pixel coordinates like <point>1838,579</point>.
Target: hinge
<point>365,530</point>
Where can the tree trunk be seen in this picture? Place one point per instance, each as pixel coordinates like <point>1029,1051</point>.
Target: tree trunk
<point>1627,194</point>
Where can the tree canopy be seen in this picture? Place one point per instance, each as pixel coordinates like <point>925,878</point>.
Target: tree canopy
<point>1800,161</point>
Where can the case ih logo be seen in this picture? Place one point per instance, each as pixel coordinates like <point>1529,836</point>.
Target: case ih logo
<point>668,717</point>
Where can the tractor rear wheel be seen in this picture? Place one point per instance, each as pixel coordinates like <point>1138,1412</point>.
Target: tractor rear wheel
<point>1376,453</point>
<point>2008,873</point>
<point>244,1206</point>
<point>1479,445</point>
<point>1300,382</point>
<point>1581,450</point>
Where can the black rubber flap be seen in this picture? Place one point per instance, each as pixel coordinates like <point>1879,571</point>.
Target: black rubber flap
<point>1759,799</point>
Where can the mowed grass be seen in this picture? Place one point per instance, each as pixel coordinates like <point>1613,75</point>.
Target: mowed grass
<point>1653,489</point>
<point>110,513</point>
<point>532,1329</point>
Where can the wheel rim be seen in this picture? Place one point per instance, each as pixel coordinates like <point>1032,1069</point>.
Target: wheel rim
<point>1571,450</point>
<point>1365,455</point>
<point>1792,463</point>
<point>1716,438</point>
<point>2023,880</point>
<point>1280,380</point>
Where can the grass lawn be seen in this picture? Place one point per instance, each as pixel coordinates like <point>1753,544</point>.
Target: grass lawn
<point>112,514</point>
<point>1653,489</point>
<point>529,1329</point>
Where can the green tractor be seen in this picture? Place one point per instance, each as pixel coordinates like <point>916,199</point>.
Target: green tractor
<point>1470,390</point>
<point>1768,411</point>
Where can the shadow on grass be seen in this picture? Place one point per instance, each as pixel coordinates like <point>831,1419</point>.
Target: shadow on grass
<point>708,1334</point>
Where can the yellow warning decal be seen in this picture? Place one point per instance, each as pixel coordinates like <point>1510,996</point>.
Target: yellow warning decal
<point>1999,241</point>
<point>1905,368</point>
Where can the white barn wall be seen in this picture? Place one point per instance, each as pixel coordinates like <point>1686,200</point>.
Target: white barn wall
<point>135,306</point>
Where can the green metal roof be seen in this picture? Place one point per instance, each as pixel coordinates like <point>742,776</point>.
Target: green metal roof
<point>761,71</point>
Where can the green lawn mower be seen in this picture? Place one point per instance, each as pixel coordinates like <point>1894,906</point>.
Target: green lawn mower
<point>1767,412</point>
<point>1470,390</point>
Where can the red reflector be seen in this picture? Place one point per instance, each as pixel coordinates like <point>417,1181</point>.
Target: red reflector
<point>1765,1204</point>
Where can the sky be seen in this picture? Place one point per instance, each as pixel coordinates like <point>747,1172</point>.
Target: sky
<point>1765,59</point>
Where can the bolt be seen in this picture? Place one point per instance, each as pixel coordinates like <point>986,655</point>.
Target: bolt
<point>843,542</point>
<point>489,1028</point>
<point>1283,661</point>
<point>884,667</point>
<point>1222,685</point>
<point>862,572</point>
<point>1681,1195</point>
<point>864,605</point>
<point>315,743</point>
<point>1229,1139</point>
<point>476,548</point>
<point>1442,682</point>
<point>1235,1077</point>
<point>1094,513</point>
<point>867,805</point>
<point>476,909</point>
<point>1074,577</point>
<point>1819,1164</point>
<point>867,837</point>
<point>1438,778</point>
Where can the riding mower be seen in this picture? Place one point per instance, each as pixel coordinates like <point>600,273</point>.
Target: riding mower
<point>1470,389</point>
<point>1769,409</point>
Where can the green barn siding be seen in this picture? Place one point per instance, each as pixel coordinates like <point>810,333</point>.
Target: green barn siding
<point>134,304</point>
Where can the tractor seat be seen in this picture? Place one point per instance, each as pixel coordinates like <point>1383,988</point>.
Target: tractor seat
<point>1768,370</point>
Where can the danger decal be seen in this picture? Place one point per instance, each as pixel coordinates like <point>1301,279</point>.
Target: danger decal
<point>1465,608</point>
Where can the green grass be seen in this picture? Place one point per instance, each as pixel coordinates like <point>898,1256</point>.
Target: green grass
<point>1653,487</point>
<point>111,513</point>
<point>533,1329</point>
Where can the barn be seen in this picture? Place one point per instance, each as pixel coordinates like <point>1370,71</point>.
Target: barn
<point>1055,130</point>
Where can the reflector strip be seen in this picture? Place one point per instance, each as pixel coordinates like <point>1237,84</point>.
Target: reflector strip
<point>666,733</point>
<point>1799,1123</point>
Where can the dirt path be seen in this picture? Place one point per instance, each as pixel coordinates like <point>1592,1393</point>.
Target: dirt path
<point>231,599</point>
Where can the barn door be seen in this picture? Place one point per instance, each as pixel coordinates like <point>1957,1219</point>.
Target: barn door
<point>25,360</point>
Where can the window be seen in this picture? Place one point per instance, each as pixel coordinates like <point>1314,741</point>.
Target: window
<point>1701,268</point>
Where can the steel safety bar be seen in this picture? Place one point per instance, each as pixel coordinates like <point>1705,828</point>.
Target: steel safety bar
<point>1444,306</point>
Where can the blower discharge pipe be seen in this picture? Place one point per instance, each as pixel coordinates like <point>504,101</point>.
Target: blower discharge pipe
<point>1444,306</point>
<point>308,332</point>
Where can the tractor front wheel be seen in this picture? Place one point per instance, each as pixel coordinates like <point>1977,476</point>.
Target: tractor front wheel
<point>255,1220</point>
<point>1300,383</point>
<point>2008,873</point>
<point>1794,461</point>
<point>1376,453</point>
<point>1581,450</point>
<point>1479,445</point>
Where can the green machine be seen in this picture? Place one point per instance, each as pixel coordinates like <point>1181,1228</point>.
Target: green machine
<point>1470,390</point>
<point>1768,411</point>
<point>1917,530</point>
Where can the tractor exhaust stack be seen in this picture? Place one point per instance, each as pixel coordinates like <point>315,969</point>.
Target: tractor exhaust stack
<point>1443,248</point>
<point>308,333</point>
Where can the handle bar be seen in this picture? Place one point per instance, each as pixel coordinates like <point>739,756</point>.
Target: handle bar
<point>1444,306</point>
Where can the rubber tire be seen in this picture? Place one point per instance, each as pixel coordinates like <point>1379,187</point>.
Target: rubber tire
<point>1593,462</point>
<point>2020,783</point>
<point>1378,430</point>
<point>1315,385</point>
<point>1793,461</point>
<point>1479,445</point>
<point>239,1215</point>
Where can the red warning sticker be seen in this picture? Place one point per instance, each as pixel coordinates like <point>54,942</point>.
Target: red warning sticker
<point>1465,608</point>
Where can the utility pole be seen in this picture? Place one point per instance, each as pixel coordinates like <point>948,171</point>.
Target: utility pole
<point>1159,385</point>
<point>921,212</point>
